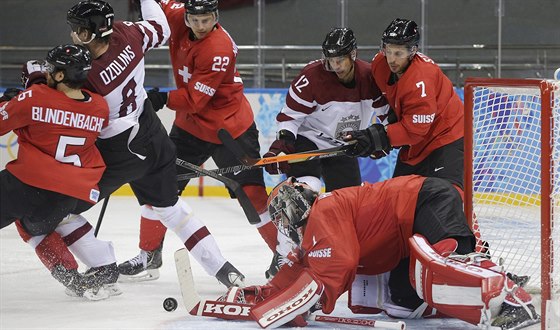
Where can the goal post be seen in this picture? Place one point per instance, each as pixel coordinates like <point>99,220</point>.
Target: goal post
<point>512,176</point>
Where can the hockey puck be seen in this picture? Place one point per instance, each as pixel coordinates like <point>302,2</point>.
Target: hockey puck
<point>170,304</point>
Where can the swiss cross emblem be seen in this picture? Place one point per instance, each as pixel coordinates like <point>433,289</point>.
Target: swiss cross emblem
<point>185,73</point>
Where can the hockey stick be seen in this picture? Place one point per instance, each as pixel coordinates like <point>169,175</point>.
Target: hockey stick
<point>220,171</point>
<point>240,194</point>
<point>101,214</point>
<point>238,311</point>
<point>230,143</point>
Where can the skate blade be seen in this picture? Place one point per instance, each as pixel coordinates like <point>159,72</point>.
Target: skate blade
<point>146,275</point>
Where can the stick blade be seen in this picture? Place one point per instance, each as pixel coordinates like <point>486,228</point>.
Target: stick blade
<point>186,282</point>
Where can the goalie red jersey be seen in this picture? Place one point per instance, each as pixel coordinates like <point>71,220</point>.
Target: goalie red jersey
<point>209,92</point>
<point>56,136</point>
<point>347,225</point>
<point>430,113</point>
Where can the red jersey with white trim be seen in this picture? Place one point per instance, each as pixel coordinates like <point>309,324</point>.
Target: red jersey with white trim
<point>365,227</point>
<point>319,107</point>
<point>56,136</point>
<point>430,113</point>
<point>209,93</point>
<point>118,74</point>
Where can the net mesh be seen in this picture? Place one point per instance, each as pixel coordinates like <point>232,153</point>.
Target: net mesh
<point>506,164</point>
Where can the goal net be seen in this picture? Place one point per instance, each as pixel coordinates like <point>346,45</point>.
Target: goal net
<point>512,167</point>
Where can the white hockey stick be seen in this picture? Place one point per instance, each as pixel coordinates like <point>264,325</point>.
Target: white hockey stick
<point>236,311</point>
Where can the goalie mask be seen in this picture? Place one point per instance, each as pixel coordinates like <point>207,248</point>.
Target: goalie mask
<point>289,205</point>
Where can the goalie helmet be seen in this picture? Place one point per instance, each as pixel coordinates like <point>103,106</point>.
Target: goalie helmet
<point>73,60</point>
<point>199,7</point>
<point>95,15</point>
<point>289,205</point>
<point>401,32</point>
<point>339,42</point>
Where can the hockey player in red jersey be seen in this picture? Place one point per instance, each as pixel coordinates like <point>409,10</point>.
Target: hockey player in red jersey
<point>58,164</point>
<point>373,227</point>
<point>134,145</point>
<point>209,96</point>
<point>329,98</point>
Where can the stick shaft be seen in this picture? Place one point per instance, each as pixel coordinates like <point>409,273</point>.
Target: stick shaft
<point>361,322</point>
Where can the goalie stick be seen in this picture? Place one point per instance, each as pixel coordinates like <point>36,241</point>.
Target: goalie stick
<point>239,311</point>
<point>240,194</point>
<point>230,143</point>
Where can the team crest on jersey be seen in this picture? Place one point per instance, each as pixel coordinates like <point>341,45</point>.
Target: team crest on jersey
<point>347,124</point>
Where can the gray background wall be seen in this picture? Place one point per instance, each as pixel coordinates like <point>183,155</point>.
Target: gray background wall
<point>530,34</point>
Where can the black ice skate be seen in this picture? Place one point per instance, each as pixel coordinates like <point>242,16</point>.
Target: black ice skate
<point>77,285</point>
<point>230,276</point>
<point>516,317</point>
<point>105,277</point>
<point>144,267</point>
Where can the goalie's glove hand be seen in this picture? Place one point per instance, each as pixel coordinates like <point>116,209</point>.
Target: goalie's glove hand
<point>33,72</point>
<point>9,93</point>
<point>368,141</point>
<point>157,98</point>
<point>284,143</point>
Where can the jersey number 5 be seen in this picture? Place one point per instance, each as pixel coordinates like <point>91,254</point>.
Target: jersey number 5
<point>63,143</point>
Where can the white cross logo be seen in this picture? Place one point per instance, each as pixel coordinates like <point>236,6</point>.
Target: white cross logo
<point>185,73</point>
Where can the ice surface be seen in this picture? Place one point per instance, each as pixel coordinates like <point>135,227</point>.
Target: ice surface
<point>31,299</point>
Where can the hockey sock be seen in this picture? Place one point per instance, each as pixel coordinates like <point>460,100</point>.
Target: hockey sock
<point>152,231</point>
<point>50,249</point>
<point>78,235</point>
<point>194,234</point>
<point>258,196</point>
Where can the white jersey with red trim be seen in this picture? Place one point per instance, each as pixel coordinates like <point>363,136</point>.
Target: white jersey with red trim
<point>319,107</point>
<point>118,74</point>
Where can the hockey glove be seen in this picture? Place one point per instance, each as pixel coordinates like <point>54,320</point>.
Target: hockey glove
<point>284,143</point>
<point>251,295</point>
<point>33,72</point>
<point>9,93</point>
<point>368,141</point>
<point>158,99</point>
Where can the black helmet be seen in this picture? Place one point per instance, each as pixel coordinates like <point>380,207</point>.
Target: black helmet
<point>73,60</point>
<point>289,205</point>
<point>198,7</point>
<point>95,15</point>
<point>339,42</point>
<point>401,32</point>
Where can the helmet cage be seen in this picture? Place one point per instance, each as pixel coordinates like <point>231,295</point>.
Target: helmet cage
<point>289,206</point>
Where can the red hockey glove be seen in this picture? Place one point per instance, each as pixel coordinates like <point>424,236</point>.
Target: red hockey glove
<point>368,141</point>
<point>158,99</point>
<point>285,142</point>
<point>9,93</point>
<point>33,72</point>
<point>249,295</point>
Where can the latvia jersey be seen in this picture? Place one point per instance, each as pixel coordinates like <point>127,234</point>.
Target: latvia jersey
<point>56,136</point>
<point>118,74</point>
<point>319,107</point>
<point>365,227</point>
<point>209,93</point>
<point>430,113</point>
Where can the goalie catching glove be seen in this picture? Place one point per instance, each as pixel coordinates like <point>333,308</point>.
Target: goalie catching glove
<point>370,141</point>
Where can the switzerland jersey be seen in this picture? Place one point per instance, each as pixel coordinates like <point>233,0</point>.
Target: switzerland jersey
<point>56,136</point>
<point>365,227</point>
<point>430,113</point>
<point>209,93</point>
<point>319,107</point>
<point>118,74</point>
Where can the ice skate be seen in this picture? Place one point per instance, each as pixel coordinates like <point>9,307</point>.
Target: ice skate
<point>77,285</point>
<point>516,317</point>
<point>144,267</point>
<point>230,276</point>
<point>105,277</point>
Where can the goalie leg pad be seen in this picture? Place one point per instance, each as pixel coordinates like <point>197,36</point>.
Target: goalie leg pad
<point>466,291</point>
<point>292,301</point>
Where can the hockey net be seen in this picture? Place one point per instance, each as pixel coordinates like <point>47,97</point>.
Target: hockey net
<point>512,183</point>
